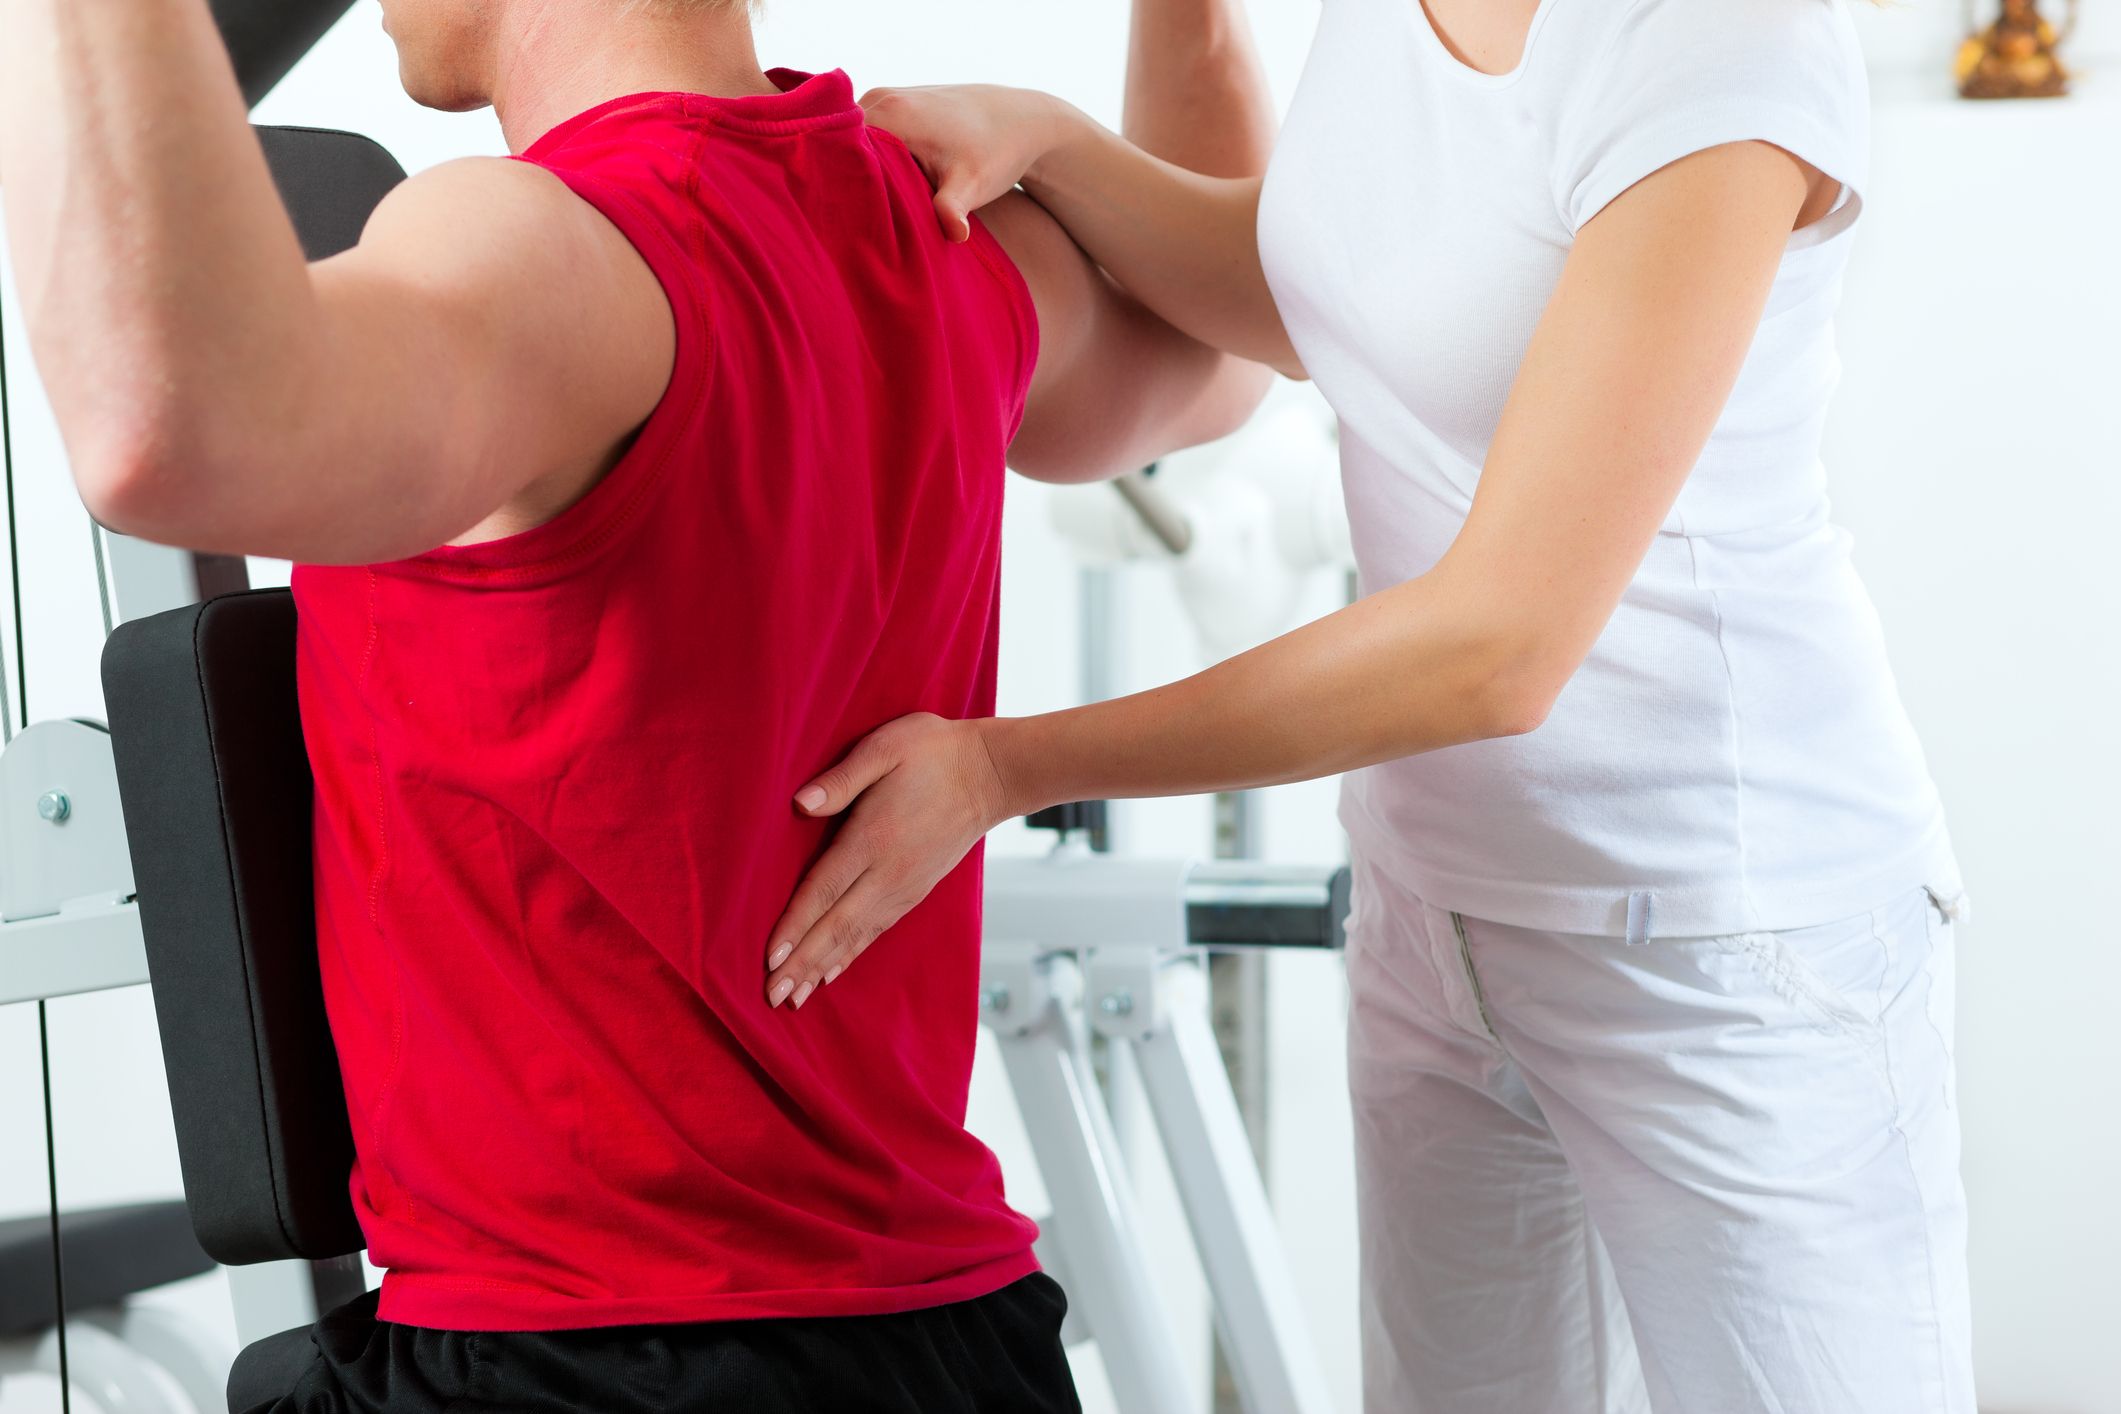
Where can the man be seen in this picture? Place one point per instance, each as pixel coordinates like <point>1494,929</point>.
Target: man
<point>630,483</point>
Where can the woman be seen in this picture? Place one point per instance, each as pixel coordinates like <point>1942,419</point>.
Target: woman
<point>1651,957</point>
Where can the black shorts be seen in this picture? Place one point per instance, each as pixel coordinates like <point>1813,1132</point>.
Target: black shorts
<point>1000,1354</point>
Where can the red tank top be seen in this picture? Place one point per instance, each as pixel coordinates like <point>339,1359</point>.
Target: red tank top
<point>554,775</point>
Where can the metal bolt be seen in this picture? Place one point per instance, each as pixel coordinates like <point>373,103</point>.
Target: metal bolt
<point>54,806</point>
<point>996,997</point>
<point>1116,1003</point>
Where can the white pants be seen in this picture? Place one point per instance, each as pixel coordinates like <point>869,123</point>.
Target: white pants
<point>1692,1175</point>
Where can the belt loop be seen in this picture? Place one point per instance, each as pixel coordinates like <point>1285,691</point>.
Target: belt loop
<point>1641,908</point>
<point>1954,908</point>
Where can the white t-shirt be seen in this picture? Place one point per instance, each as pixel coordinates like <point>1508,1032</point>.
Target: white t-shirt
<point>1733,755</point>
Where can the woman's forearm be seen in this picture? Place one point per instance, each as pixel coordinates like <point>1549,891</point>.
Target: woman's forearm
<point>1185,245</point>
<point>1424,665</point>
<point>1429,663</point>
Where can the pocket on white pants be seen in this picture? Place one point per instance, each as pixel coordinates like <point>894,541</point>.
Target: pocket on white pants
<point>1867,979</point>
<point>1831,975</point>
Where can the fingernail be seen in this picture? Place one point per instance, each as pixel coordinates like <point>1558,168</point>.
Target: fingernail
<point>780,955</point>
<point>810,797</point>
<point>780,992</point>
<point>803,994</point>
<point>832,974</point>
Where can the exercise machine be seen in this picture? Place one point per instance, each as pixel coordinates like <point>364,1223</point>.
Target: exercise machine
<point>1081,944</point>
<point>69,911</point>
<point>215,792</point>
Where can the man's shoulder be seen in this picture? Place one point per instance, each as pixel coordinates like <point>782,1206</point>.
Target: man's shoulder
<point>514,220</point>
<point>468,195</point>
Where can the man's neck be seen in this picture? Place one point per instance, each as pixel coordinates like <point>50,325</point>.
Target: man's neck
<point>561,57</point>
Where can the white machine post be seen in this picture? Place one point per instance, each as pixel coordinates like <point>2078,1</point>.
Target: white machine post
<point>1134,928</point>
<point>68,920</point>
<point>1031,999</point>
<point>1268,1346</point>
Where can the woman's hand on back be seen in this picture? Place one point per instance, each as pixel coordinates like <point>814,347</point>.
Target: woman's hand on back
<point>924,790</point>
<point>975,141</point>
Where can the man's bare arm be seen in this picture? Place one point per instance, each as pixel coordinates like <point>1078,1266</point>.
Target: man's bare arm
<point>1116,386</point>
<point>215,391</point>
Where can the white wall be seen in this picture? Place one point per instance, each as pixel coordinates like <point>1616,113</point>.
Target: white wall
<point>1975,450</point>
<point>1976,447</point>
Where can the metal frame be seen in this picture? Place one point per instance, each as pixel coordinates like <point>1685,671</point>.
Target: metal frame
<point>1080,944</point>
<point>69,924</point>
<point>133,1358</point>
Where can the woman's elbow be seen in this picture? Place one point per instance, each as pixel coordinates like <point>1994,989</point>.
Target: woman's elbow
<point>1515,710</point>
<point>1516,693</point>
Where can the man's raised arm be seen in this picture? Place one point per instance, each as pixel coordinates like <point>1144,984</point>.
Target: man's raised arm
<point>135,195</point>
<point>490,341</point>
<point>1196,95</point>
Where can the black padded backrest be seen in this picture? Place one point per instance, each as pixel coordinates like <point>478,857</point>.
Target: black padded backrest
<point>329,182</point>
<point>216,792</point>
<point>216,789</point>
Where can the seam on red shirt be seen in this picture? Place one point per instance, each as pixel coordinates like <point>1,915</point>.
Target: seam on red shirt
<point>402,1289</point>
<point>700,107</point>
<point>768,127</point>
<point>378,1116</point>
<point>782,127</point>
<point>443,1283</point>
<point>375,763</point>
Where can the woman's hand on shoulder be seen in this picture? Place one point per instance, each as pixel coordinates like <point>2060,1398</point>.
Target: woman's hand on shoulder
<point>975,141</point>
